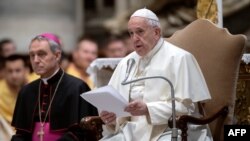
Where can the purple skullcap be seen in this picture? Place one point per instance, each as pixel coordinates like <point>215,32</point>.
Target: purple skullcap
<point>51,36</point>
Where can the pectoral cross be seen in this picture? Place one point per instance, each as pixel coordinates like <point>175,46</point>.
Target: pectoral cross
<point>41,133</point>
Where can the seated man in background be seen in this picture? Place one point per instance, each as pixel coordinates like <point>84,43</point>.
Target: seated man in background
<point>7,47</point>
<point>50,108</point>
<point>31,75</point>
<point>115,48</point>
<point>14,79</point>
<point>1,67</point>
<point>84,54</point>
<point>150,100</point>
<point>128,43</point>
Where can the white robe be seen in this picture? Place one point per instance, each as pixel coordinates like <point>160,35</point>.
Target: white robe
<point>167,60</point>
<point>6,131</point>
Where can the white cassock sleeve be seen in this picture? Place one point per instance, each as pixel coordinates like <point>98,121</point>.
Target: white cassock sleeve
<point>160,112</point>
<point>189,87</point>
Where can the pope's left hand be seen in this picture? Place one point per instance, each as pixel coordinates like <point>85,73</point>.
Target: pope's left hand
<point>137,108</point>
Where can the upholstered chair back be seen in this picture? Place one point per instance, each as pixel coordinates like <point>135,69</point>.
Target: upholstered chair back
<point>218,53</point>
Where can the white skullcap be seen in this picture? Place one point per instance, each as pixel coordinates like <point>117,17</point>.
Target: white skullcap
<point>145,13</point>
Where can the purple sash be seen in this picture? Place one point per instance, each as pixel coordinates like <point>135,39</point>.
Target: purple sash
<point>48,135</point>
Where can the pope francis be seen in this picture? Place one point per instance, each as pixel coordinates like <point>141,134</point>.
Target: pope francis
<point>150,100</point>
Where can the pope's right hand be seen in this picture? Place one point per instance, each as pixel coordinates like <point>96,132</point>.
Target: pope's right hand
<point>108,117</point>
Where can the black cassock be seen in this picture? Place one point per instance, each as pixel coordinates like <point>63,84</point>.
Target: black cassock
<point>66,111</point>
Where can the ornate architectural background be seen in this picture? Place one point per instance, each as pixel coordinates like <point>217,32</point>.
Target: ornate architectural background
<point>242,106</point>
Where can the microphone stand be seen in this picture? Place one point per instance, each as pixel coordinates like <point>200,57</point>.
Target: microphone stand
<point>174,129</point>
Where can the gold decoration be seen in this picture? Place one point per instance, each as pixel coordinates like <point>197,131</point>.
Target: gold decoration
<point>247,68</point>
<point>242,103</point>
<point>207,9</point>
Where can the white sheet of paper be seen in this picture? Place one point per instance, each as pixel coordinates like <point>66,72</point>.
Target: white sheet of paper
<point>107,99</point>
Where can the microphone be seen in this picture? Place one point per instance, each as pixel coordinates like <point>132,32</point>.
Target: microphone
<point>130,64</point>
<point>174,129</point>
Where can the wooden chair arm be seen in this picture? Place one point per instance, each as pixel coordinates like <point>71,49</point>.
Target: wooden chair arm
<point>94,124</point>
<point>181,122</point>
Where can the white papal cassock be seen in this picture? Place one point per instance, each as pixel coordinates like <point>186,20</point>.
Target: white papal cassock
<point>181,68</point>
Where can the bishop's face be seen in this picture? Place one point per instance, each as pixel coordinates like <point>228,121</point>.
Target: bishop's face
<point>44,62</point>
<point>143,35</point>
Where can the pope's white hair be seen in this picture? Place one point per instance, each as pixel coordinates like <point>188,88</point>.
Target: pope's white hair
<point>153,23</point>
<point>149,15</point>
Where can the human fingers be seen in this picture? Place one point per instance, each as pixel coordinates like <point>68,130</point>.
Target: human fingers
<point>107,116</point>
<point>103,113</point>
<point>111,119</point>
<point>132,106</point>
<point>140,108</point>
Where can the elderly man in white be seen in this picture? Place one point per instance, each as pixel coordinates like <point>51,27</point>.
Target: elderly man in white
<point>150,100</point>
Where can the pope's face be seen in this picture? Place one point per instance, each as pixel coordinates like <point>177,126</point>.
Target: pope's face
<point>144,36</point>
<point>43,60</point>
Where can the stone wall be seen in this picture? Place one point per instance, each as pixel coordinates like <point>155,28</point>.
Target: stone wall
<point>21,20</point>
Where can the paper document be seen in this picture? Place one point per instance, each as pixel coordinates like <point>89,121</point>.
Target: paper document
<point>107,99</point>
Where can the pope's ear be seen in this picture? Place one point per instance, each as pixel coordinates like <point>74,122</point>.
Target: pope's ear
<point>157,32</point>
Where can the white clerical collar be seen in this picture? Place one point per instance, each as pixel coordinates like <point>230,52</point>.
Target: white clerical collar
<point>154,50</point>
<point>144,61</point>
<point>45,80</point>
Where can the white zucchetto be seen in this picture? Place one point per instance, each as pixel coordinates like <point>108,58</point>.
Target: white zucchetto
<point>145,13</point>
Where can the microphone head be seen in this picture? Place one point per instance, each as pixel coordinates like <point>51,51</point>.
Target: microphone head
<point>130,64</point>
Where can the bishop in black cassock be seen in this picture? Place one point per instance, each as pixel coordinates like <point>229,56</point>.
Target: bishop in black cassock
<point>66,110</point>
<point>63,117</point>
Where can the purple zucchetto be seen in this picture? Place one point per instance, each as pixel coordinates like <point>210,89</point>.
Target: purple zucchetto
<point>51,36</point>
